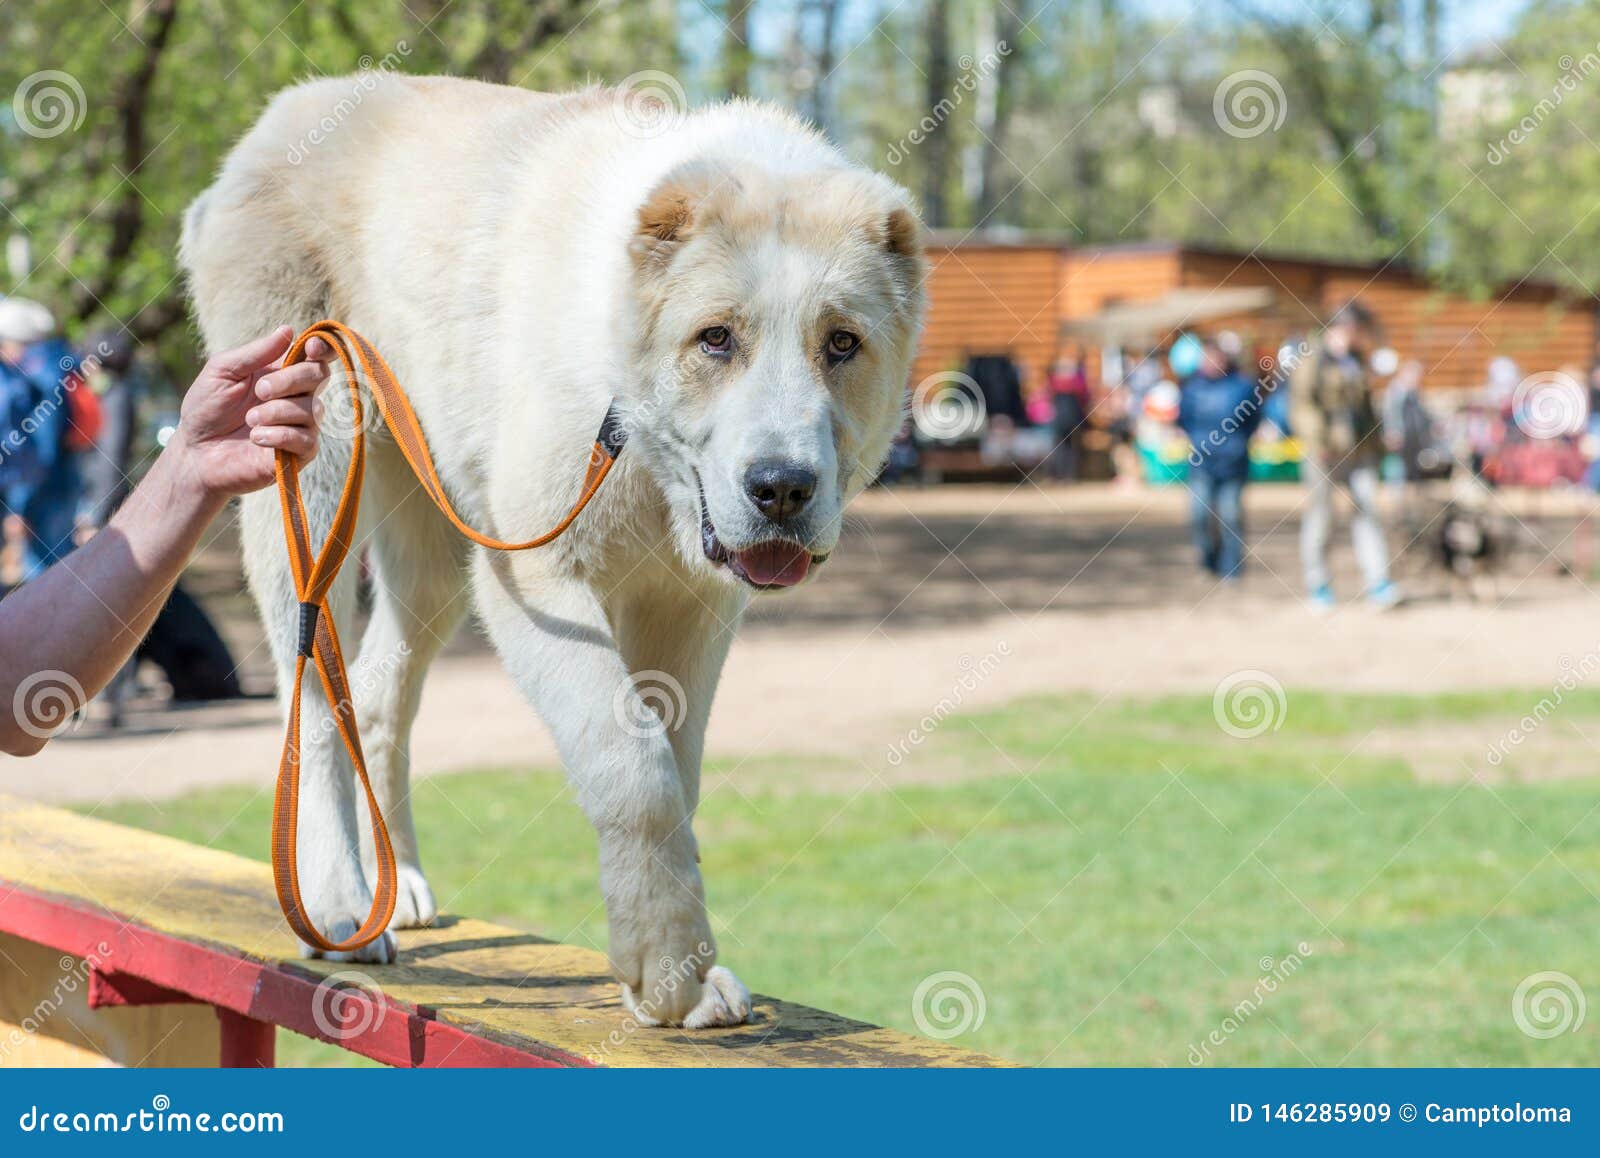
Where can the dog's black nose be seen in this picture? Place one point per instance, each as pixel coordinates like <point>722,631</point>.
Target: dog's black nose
<point>780,490</point>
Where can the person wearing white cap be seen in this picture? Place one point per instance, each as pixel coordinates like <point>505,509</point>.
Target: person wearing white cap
<point>23,322</point>
<point>66,633</point>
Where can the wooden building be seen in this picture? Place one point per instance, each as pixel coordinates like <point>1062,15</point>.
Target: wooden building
<point>991,297</point>
<point>1026,297</point>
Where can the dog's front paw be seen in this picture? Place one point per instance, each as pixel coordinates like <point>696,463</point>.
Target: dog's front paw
<point>723,1000</point>
<point>414,906</point>
<point>383,951</point>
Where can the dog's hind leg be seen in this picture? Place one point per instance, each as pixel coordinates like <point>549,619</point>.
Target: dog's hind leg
<point>250,269</point>
<point>419,599</point>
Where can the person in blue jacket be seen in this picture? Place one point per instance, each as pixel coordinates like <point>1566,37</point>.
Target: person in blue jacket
<point>42,482</point>
<point>1219,409</point>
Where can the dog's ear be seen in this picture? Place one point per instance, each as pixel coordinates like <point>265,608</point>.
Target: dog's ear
<point>903,233</point>
<point>674,209</point>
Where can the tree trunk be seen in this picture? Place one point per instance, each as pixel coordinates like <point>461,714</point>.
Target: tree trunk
<point>821,107</point>
<point>936,146</point>
<point>736,55</point>
<point>996,100</point>
<point>133,102</point>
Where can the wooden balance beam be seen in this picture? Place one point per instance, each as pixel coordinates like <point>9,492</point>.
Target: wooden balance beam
<point>100,921</point>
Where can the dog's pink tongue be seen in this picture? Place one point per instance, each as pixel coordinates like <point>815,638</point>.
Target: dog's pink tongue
<point>775,564</point>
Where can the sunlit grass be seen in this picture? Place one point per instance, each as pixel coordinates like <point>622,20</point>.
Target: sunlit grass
<point>1114,878</point>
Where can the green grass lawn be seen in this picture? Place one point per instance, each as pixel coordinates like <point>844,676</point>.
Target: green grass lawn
<point>1115,879</point>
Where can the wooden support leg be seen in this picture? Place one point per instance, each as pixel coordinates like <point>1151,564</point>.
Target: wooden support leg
<point>246,1042</point>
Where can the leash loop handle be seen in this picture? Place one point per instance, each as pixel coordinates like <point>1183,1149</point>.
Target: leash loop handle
<point>317,643</point>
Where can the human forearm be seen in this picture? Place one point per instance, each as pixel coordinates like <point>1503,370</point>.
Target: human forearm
<point>71,629</point>
<point>64,634</point>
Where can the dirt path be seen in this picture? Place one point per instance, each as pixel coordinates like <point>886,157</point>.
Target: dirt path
<point>960,596</point>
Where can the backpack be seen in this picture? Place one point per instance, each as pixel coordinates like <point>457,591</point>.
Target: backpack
<point>85,416</point>
<point>58,375</point>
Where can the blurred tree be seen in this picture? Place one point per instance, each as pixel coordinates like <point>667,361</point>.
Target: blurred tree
<point>998,57</point>
<point>820,107</point>
<point>116,120</point>
<point>1519,129</point>
<point>936,151</point>
<point>1106,121</point>
<point>736,54</point>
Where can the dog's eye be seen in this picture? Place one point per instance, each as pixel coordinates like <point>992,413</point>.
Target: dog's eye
<point>716,340</point>
<point>841,344</point>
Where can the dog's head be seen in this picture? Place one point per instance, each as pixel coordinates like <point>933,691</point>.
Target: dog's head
<point>776,320</point>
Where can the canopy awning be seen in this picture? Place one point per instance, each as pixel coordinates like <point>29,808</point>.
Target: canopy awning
<point>1166,315</point>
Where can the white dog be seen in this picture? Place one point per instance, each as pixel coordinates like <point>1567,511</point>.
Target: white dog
<point>752,300</point>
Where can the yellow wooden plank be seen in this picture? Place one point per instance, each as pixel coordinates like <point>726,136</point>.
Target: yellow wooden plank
<point>507,984</point>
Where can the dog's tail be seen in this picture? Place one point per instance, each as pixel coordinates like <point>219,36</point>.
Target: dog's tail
<point>194,219</point>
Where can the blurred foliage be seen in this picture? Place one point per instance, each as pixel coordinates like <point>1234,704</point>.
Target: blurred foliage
<point>1099,121</point>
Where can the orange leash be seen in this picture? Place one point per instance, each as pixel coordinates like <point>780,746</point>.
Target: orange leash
<point>319,642</point>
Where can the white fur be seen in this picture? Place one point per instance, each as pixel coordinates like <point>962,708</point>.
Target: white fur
<point>480,238</point>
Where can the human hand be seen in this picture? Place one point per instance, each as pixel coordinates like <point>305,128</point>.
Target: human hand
<point>244,407</point>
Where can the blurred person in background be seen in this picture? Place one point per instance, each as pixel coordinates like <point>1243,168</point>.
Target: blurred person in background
<point>1219,411</point>
<point>111,372</point>
<point>1332,413</point>
<point>1068,388</point>
<point>1277,368</point>
<point>42,490</point>
<point>1591,434</point>
<point>1407,426</point>
<point>82,618</point>
<point>1140,373</point>
<point>1116,405</point>
<point>1232,347</point>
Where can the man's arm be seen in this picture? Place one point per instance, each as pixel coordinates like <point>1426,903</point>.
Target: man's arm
<point>66,633</point>
<point>1253,409</point>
